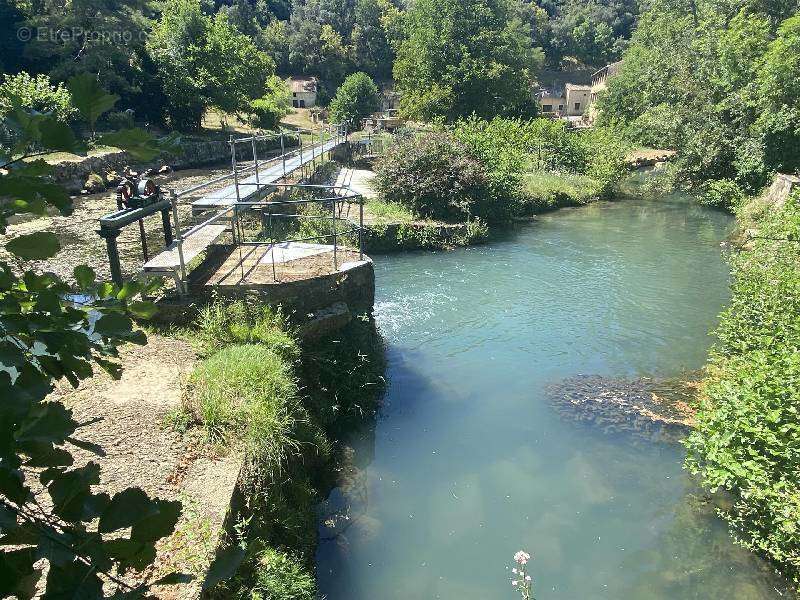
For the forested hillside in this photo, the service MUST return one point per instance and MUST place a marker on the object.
(170, 61)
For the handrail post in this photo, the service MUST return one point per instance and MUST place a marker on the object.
(302, 164)
(235, 222)
(333, 225)
(313, 154)
(360, 227)
(173, 197)
(255, 160)
(283, 155)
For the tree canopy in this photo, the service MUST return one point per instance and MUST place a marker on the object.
(718, 83)
(460, 57)
(203, 62)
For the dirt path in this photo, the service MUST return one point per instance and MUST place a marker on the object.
(78, 231)
(127, 418)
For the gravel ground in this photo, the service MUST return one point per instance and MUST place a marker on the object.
(80, 241)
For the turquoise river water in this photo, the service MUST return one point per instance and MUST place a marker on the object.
(469, 462)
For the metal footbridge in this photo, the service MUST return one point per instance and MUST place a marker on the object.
(253, 182)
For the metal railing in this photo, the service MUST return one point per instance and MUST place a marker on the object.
(333, 203)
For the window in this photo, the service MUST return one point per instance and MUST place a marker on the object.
(294, 104)
(547, 108)
(560, 107)
(302, 103)
(577, 106)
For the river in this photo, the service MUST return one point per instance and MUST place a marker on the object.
(469, 462)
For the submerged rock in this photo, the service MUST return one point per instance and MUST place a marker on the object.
(646, 408)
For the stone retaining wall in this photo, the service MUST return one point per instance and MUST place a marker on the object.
(781, 188)
(72, 174)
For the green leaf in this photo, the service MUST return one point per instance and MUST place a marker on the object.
(136, 142)
(71, 489)
(34, 246)
(89, 97)
(113, 325)
(34, 168)
(84, 276)
(8, 518)
(129, 289)
(56, 135)
(28, 190)
(142, 309)
(48, 422)
(74, 581)
(15, 567)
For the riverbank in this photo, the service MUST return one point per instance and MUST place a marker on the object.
(747, 437)
(289, 403)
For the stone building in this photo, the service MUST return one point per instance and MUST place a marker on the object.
(304, 91)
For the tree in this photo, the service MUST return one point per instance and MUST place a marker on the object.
(465, 56)
(204, 62)
(356, 99)
(317, 48)
(372, 52)
(35, 93)
(11, 47)
(689, 81)
(268, 110)
(89, 540)
(91, 36)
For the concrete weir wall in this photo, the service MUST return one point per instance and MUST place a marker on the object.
(319, 305)
(353, 284)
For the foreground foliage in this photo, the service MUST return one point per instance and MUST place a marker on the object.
(51, 330)
(747, 439)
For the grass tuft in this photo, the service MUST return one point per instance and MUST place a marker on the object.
(221, 324)
(280, 575)
(248, 392)
(385, 212)
(548, 191)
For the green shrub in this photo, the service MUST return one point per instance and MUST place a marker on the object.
(282, 576)
(248, 393)
(721, 193)
(36, 93)
(747, 439)
(435, 176)
(121, 119)
(221, 324)
(356, 99)
(267, 111)
(549, 191)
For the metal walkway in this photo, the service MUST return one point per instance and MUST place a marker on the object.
(250, 188)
